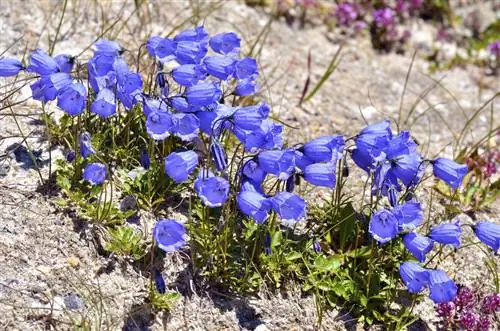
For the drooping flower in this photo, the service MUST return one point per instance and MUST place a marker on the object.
(198, 34)
(159, 282)
(144, 159)
(219, 156)
(161, 48)
(95, 173)
(255, 205)
(289, 206)
(72, 99)
(212, 190)
(409, 215)
(190, 52)
(279, 163)
(159, 125)
(179, 165)
(267, 136)
(189, 74)
(186, 126)
(226, 43)
(246, 68)
(246, 87)
(324, 149)
(108, 47)
(414, 276)
(250, 117)
(10, 67)
(489, 234)
(320, 174)
(42, 63)
(86, 147)
(252, 171)
(447, 233)
(383, 226)
(104, 104)
(442, 288)
(203, 95)
(65, 62)
(449, 171)
(221, 67)
(418, 245)
(170, 235)
(268, 249)
(47, 87)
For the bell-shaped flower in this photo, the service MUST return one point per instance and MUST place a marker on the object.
(48, 87)
(267, 136)
(179, 165)
(65, 62)
(324, 149)
(252, 171)
(442, 288)
(190, 52)
(250, 117)
(10, 67)
(86, 148)
(320, 174)
(194, 34)
(246, 68)
(180, 104)
(95, 173)
(42, 63)
(159, 125)
(153, 105)
(108, 47)
(489, 234)
(218, 156)
(203, 95)
(144, 159)
(73, 99)
(170, 235)
(447, 233)
(246, 87)
(409, 215)
(212, 190)
(227, 43)
(449, 171)
(383, 226)
(418, 245)
(161, 48)
(301, 161)
(186, 126)
(189, 74)
(255, 205)
(206, 121)
(159, 282)
(279, 163)
(414, 276)
(221, 67)
(104, 104)
(290, 207)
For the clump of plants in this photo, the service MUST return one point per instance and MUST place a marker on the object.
(188, 135)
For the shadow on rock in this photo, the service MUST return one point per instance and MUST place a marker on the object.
(27, 159)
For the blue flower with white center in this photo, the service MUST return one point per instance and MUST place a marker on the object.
(95, 173)
(170, 235)
(221, 67)
(409, 215)
(159, 125)
(255, 205)
(186, 126)
(414, 276)
(447, 233)
(179, 165)
(278, 163)
(227, 43)
(290, 207)
(442, 288)
(489, 234)
(72, 99)
(324, 149)
(418, 245)
(203, 95)
(320, 174)
(212, 190)
(10, 67)
(449, 171)
(383, 226)
(250, 117)
(189, 74)
(86, 148)
(104, 104)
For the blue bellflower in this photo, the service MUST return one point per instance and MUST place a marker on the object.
(86, 148)
(489, 234)
(268, 136)
(65, 62)
(324, 149)
(159, 125)
(203, 95)
(72, 99)
(170, 235)
(250, 117)
(179, 165)
(186, 126)
(409, 215)
(278, 163)
(254, 205)
(144, 159)
(212, 190)
(252, 171)
(418, 245)
(10, 67)
(159, 282)
(320, 174)
(447, 233)
(442, 288)
(219, 156)
(414, 276)
(190, 52)
(221, 67)
(289, 206)
(246, 87)
(227, 43)
(449, 171)
(383, 226)
(189, 74)
(246, 68)
(42, 63)
(95, 173)
(104, 104)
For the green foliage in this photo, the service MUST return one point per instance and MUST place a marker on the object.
(163, 301)
(123, 240)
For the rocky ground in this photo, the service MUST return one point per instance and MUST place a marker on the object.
(50, 270)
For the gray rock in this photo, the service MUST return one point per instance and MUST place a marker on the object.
(73, 301)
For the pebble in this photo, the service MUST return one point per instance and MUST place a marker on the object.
(73, 301)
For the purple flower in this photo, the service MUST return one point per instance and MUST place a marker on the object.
(384, 17)
(212, 190)
(468, 320)
(255, 205)
(483, 324)
(442, 288)
(418, 245)
(494, 49)
(449, 171)
(226, 44)
(465, 297)
(445, 310)
(491, 303)
(414, 276)
(289, 206)
(95, 173)
(346, 14)
(72, 99)
(383, 226)
(170, 235)
(448, 233)
(86, 147)
(10, 67)
(489, 234)
(179, 165)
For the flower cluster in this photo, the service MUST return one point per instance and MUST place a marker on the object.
(469, 310)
